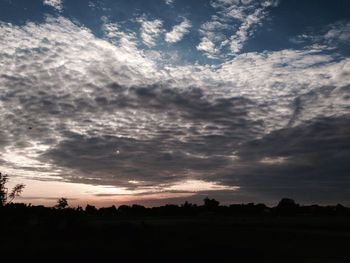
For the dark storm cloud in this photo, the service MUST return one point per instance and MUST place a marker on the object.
(320, 102)
(311, 155)
(203, 147)
(221, 117)
(309, 161)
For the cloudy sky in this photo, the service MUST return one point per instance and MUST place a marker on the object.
(158, 101)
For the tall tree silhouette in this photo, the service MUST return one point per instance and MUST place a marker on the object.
(6, 197)
(62, 203)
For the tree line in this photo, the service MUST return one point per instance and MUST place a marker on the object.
(286, 207)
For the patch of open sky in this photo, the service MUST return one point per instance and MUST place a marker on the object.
(125, 13)
(292, 19)
(21, 11)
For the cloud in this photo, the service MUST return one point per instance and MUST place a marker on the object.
(207, 46)
(242, 34)
(239, 17)
(178, 32)
(150, 30)
(169, 2)
(57, 4)
(307, 162)
(339, 32)
(165, 116)
(126, 40)
(40, 103)
(249, 20)
(213, 25)
(331, 36)
(98, 111)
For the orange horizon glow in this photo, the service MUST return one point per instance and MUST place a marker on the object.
(47, 192)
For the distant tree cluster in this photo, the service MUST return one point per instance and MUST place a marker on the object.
(286, 207)
(210, 207)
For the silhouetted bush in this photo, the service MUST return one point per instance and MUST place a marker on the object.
(138, 209)
(90, 209)
(124, 209)
(189, 209)
(287, 207)
(108, 211)
(211, 204)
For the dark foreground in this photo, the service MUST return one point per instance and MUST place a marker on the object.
(65, 237)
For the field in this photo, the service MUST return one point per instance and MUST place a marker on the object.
(206, 238)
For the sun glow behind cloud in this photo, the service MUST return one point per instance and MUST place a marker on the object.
(48, 191)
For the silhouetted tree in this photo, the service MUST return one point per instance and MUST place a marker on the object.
(16, 191)
(169, 210)
(108, 211)
(287, 206)
(90, 209)
(62, 203)
(3, 189)
(210, 203)
(6, 197)
(340, 209)
(138, 209)
(124, 209)
(187, 205)
(188, 208)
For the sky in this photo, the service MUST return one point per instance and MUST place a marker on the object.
(161, 101)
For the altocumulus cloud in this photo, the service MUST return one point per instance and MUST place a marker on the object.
(100, 111)
(178, 32)
(246, 15)
(150, 30)
(57, 4)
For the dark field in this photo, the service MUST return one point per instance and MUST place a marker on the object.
(68, 237)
